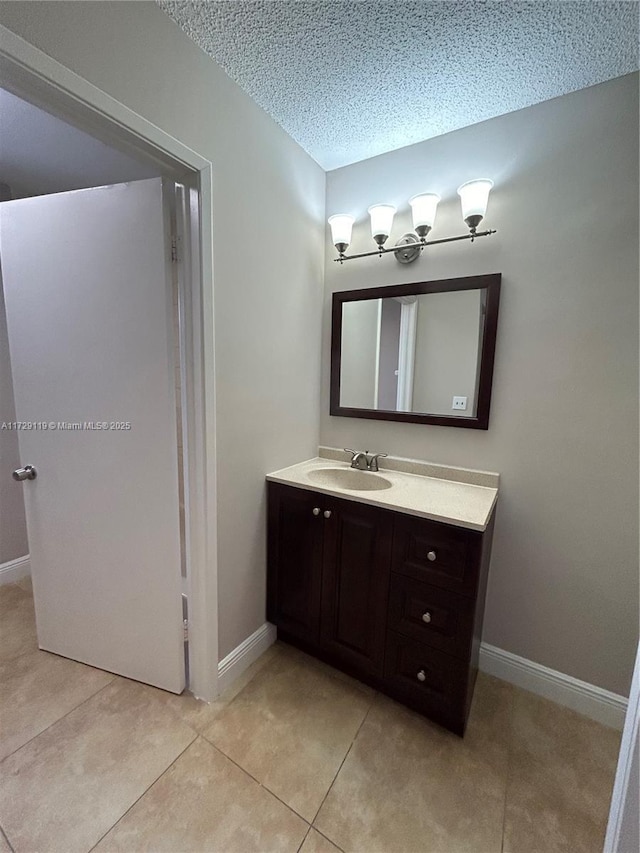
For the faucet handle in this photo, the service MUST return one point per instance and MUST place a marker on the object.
(359, 459)
(372, 461)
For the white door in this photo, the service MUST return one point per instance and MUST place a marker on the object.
(88, 295)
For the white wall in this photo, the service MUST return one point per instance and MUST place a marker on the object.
(563, 588)
(268, 300)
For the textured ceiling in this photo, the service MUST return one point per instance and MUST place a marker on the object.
(349, 80)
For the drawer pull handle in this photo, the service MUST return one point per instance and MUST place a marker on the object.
(316, 510)
(421, 675)
(327, 513)
(426, 617)
(431, 556)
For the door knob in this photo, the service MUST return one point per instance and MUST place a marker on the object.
(316, 510)
(327, 513)
(26, 473)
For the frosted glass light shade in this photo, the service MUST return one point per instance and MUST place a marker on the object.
(423, 208)
(381, 221)
(341, 228)
(474, 196)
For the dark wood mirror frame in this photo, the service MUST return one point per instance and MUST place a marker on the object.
(490, 283)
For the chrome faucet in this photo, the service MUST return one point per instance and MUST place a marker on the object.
(362, 461)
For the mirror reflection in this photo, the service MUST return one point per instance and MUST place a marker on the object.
(418, 353)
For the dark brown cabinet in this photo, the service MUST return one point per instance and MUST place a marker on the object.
(355, 581)
(394, 600)
(295, 563)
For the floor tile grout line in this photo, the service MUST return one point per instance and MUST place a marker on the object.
(509, 751)
(346, 755)
(4, 835)
(146, 790)
(228, 757)
(59, 720)
(257, 781)
(326, 837)
(6, 661)
(266, 787)
(291, 809)
(306, 835)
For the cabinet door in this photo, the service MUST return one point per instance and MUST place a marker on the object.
(294, 561)
(355, 581)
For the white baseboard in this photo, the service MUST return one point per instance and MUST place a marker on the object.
(15, 570)
(594, 702)
(245, 654)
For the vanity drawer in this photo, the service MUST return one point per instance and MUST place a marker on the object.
(439, 554)
(442, 619)
(429, 680)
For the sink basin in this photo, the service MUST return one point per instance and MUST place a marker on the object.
(349, 478)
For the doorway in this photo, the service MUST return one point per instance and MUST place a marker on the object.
(30, 75)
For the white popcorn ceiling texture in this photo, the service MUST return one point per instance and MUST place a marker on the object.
(349, 80)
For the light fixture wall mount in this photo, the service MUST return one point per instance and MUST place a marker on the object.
(474, 196)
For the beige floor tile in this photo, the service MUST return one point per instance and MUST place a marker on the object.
(316, 843)
(561, 775)
(39, 688)
(204, 802)
(17, 622)
(26, 585)
(290, 728)
(408, 785)
(68, 786)
(295, 654)
(198, 714)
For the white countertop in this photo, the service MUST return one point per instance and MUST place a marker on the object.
(448, 498)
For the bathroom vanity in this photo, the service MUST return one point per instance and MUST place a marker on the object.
(383, 575)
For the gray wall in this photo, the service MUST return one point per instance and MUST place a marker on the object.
(360, 323)
(41, 154)
(268, 301)
(389, 354)
(13, 530)
(563, 589)
(447, 334)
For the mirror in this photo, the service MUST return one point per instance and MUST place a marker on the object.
(420, 353)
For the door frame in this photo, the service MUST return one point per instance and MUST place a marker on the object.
(625, 787)
(32, 75)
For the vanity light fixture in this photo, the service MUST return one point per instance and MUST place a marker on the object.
(474, 196)
(381, 221)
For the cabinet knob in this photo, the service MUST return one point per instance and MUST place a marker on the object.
(327, 513)
(431, 556)
(316, 510)
(421, 675)
(426, 617)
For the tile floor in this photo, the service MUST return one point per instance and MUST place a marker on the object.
(294, 757)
